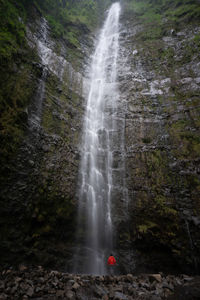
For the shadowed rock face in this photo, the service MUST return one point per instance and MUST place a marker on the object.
(160, 93)
(155, 199)
(38, 193)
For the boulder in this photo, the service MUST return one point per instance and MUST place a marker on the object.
(156, 277)
(120, 296)
(60, 293)
(22, 268)
(187, 291)
(69, 295)
(130, 277)
(30, 292)
(75, 286)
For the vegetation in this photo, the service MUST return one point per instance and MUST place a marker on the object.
(168, 178)
(31, 226)
(12, 29)
(157, 15)
(155, 10)
(16, 86)
(156, 217)
(69, 20)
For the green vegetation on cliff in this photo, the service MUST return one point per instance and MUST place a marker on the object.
(164, 222)
(174, 10)
(16, 85)
(32, 223)
(12, 29)
(37, 200)
(68, 20)
(157, 15)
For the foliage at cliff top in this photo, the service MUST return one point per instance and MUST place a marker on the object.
(177, 11)
(12, 43)
(70, 19)
(160, 16)
(12, 30)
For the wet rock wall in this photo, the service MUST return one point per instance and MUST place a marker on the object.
(159, 86)
(156, 153)
(38, 192)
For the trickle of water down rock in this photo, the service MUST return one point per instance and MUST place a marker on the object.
(35, 109)
(95, 227)
(50, 62)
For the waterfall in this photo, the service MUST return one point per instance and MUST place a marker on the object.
(50, 62)
(35, 109)
(95, 226)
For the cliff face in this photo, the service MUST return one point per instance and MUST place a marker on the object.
(39, 175)
(159, 84)
(156, 203)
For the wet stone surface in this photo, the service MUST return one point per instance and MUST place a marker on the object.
(158, 223)
(38, 283)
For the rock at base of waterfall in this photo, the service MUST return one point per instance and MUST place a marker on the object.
(57, 285)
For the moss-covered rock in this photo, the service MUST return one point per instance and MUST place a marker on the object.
(41, 114)
(161, 136)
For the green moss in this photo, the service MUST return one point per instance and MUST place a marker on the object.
(51, 212)
(16, 85)
(17, 88)
(175, 10)
(57, 28)
(197, 39)
(152, 32)
(71, 20)
(185, 11)
(168, 54)
(162, 206)
(187, 142)
(144, 228)
(158, 222)
(12, 30)
(158, 17)
(40, 217)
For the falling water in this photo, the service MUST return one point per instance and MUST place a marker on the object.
(35, 109)
(50, 62)
(95, 213)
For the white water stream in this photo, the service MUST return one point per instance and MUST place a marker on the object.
(95, 198)
(50, 61)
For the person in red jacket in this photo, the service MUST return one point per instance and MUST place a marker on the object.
(111, 263)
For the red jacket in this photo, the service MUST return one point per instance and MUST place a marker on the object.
(111, 260)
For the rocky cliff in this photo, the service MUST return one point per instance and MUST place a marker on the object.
(43, 81)
(159, 84)
(42, 105)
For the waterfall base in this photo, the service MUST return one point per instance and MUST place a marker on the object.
(56, 285)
